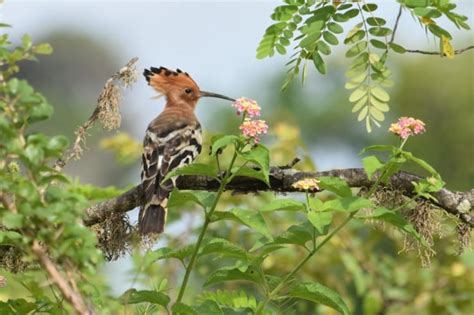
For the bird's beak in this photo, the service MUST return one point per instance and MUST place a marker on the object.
(210, 94)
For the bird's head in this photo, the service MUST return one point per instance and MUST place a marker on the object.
(177, 86)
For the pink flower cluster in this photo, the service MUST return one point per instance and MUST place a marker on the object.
(248, 106)
(253, 128)
(250, 128)
(407, 126)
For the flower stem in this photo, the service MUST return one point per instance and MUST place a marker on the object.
(207, 221)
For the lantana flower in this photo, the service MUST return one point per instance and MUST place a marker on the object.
(253, 128)
(247, 105)
(407, 126)
(306, 184)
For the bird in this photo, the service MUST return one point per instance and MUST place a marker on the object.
(173, 139)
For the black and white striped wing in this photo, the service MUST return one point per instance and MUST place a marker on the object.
(164, 152)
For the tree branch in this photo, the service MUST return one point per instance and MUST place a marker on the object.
(281, 180)
(456, 52)
(69, 293)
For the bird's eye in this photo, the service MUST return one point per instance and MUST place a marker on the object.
(188, 90)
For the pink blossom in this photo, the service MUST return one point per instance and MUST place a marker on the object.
(407, 126)
(247, 105)
(253, 128)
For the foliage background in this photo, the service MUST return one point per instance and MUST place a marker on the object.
(90, 46)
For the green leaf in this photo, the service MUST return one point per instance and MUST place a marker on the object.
(378, 44)
(380, 31)
(179, 198)
(371, 165)
(409, 156)
(396, 220)
(179, 308)
(379, 148)
(417, 3)
(40, 112)
(347, 204)
(250, 172)
(209, 307)
(259, 155)
(397, 48)
(232, 299)
(369, 7)
(34, 154)
(349, 14)
(320, 220)
(218, 143)
(354, 38)
(43, 49)
(330, 38)
(249, 273)
(335, 28)
(439, 31)
(380, 93)
(336, 185)
(427, 12)
(357, 94)
(192, 169)
(319, 63)
(177, 253)
(323, 48)
(296, 234)
(376, 114)
(283, 205)
(133, 296)
(224, 248)
(356, 49)
(12, 220)
(251, 218)
(375, 21)
(320, 294)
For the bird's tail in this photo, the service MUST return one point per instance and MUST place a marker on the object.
(152, 219)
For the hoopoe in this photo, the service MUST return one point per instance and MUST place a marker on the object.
(172, 139)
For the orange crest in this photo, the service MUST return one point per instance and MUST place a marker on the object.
(169, 82)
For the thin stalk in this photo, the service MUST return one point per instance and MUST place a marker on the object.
(207, 220)
(301, 264)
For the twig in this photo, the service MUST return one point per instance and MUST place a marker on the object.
(281, 180)
(396, 24)
(69, 293)
(456, 52)
(106, 111)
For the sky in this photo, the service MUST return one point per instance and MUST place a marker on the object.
(215, 41)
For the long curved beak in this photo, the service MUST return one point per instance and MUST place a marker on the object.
(210, 94)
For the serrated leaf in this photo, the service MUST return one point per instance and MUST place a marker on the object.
(220, 142)
(320, 220)
(179, 198)
(320, 294)
(250, 172)
(346, 204)
(251, 218)
(298, 234)
(225, 274)
(336, 185)
(371, 165)
(283, 205)
(134, 296)
(223, 248)
(259, 155)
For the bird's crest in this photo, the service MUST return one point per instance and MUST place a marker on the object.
(167, 81)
